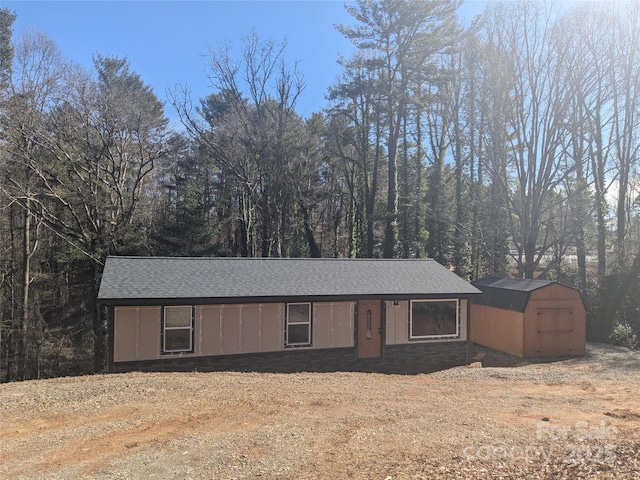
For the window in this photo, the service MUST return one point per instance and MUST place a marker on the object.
(298, 324)
(177, 334)
(434, 319)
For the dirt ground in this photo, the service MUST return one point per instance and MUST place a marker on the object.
(575, 418)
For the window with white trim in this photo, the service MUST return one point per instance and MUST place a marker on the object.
(434, 319)
(177, 329)
(298, 325)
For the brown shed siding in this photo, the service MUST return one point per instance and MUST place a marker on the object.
(563, 332)
(553, 324)
(498, 329)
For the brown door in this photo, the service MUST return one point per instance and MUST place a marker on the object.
(369, 328)
(554, 329)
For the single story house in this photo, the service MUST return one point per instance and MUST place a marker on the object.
(284, 315)
(528, 318)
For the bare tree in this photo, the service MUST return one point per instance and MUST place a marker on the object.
(624, 47)
(98, 140)
(250, 129)
(523, 35)
(33, 93)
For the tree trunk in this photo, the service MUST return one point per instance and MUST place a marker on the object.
(391, 221)
(99, 322)
(460, 256)
(371, 189)
(418, 193)
(581, 215)
(600, 205)
(314, 249)
(23, 334)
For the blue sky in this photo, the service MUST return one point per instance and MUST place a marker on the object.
(166, 41)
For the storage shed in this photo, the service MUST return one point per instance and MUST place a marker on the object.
(528, 318)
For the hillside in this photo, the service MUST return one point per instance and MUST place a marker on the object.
(577, 418)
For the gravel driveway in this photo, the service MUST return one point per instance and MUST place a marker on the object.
(576, 418)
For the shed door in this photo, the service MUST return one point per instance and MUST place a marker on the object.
(369, 328)
(554, 332)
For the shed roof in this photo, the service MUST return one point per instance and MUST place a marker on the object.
(507, 293)
(129, 279)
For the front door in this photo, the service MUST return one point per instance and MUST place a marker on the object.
(369, 328)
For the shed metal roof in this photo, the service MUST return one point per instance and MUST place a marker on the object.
(129, 279)
(507, 293)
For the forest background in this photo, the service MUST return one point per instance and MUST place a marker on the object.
(506, 147)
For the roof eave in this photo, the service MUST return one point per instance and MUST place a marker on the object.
(279, 299)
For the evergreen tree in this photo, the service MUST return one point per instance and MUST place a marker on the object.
(399, 41)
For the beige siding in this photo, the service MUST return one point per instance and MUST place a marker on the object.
(233, 329)
(498, 329)
(209, 331)
(125, 337)
(149, 321)
(397, 324)
(342, 324)
(322, 319)
(250, 329)
(219, 330)
(230, 319)
(464, 320)
(272, 327)
(136, 333)
(333, 325)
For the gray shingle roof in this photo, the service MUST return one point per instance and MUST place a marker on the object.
(507, 293)
(521, 284)
(162, 278)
